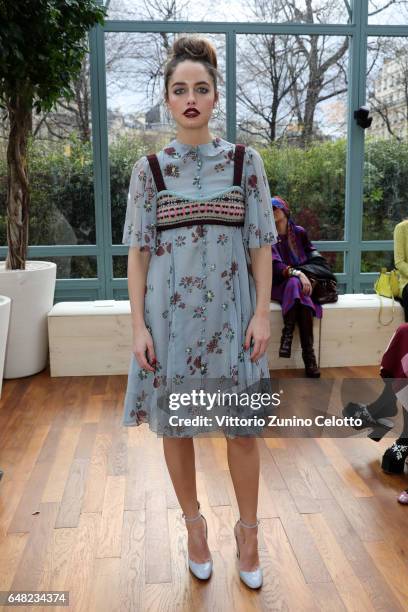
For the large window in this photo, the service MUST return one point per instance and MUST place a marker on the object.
(385, 196)
(386, 145)
(293, 75)
(292, 101)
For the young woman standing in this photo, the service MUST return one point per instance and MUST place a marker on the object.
(198, 214)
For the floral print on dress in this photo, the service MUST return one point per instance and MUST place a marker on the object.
(190, 155)
(171, 170)
(229, 157)
(172, 152)
(199, 296)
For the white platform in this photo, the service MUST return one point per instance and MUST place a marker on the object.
(94, 338)
(351, 333)
(90, 338)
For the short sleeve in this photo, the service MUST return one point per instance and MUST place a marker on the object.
(259, 227)
(140, 222)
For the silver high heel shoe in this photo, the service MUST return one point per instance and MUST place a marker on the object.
(200, 570)
(252, 579)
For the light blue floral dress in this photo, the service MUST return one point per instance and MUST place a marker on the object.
(200, 295)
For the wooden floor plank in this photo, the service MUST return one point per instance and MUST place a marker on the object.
(393, 569)
(30, 501)
(158, 566)
(57, 558)
(112, 518)
(106, 586)
(71, 503)
(180, 577)
(307, 554)
(301, 493)
(347, 583)
(345, 470)
(11, 550)
(327, 597)
(132, 566)
(80, 575)
(363, 567)
(288, 589)
(353, 509)
(61, 464)
(30, 568)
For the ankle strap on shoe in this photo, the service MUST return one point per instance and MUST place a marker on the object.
(191, 520)
(249, 526)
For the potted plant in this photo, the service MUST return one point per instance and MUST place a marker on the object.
(42, 45)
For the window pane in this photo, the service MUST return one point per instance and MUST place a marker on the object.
(386, 146)
(137, 121)
(73, 267)
(120, 266)
(60, 166)
(373, 261)
(384, 12)
(292, 104)
(298, 11)
(335, 259)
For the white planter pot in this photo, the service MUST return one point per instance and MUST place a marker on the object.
(32, 297)
(5, 303)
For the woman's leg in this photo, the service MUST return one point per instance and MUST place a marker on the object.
(180, 460)
(394, 457)
(289, 322)
(305, 321)
(244, 465)
(386, 404)
(285, 294)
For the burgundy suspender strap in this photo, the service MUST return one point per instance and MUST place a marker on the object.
(238, 164)
(156, 171)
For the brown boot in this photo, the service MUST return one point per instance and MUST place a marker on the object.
(305, 320)
(289, 321)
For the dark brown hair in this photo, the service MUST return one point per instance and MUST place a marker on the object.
(193, 48)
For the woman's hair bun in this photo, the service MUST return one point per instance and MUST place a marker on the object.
(194, 48)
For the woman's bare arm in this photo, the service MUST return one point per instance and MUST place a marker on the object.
(261, 263)
(259, 326)
(138, 265)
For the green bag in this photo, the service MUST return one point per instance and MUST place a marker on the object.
(387, 285)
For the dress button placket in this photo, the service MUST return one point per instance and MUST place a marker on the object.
(197, 178)
(204, 276)
(204, 307)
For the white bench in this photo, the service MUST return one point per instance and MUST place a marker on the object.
(351, 333)
(94, 338)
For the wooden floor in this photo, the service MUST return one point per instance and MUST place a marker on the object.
(87, 506)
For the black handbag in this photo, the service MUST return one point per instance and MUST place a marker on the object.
(323, 281)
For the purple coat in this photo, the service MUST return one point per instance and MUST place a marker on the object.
(288, 290)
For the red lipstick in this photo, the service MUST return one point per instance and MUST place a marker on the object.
(191, 112)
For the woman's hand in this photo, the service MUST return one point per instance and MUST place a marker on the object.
(259, 331)
(142, 342)
(306, 284)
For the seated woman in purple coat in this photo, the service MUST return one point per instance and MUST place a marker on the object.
(291, 287)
